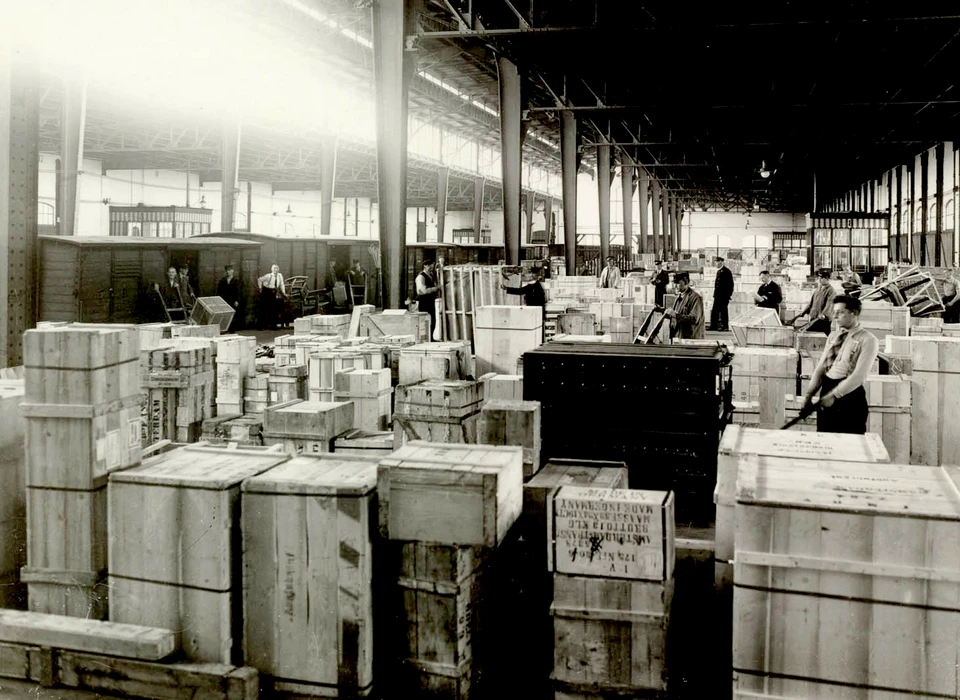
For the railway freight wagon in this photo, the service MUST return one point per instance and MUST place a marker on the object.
(109, 279)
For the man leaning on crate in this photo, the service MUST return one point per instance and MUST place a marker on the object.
(841, 371)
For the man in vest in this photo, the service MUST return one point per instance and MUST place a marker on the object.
(428, 292)
(272, 291)
(686, 316)
(841, 371)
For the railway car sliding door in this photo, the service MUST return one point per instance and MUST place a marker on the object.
(95, 285)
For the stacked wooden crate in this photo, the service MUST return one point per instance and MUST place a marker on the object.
(437, 411)
(513, 423)
(236, 360)
(256, 393)
(306, 427)
(936, 400)
(179, 383)
(287, 383)
(392, 345)
(605, 311)
(612, 554)
(323, 369)
(175, 546)
(890, 409)
(883, 319)
(82, 410)
(245, 431)
(319, 324)
(13, 504)
(308, 596)
(295, 349)
(440, 361)
(392, 322)
(503, 334)
(803, 448)
(508, 387)
(765, 375)
(364, 443)
(840, 569)
(577, 323)
(926, 327)
(746, 328)
(447, 511)
(370, 392)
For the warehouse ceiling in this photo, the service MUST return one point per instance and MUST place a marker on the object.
(704, 94)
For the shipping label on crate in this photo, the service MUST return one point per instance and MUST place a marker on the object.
(614, 533)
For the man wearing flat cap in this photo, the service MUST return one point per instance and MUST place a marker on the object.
(686, 316)
(722, 291)
(820, 308)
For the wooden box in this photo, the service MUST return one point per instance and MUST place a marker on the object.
(883, 319)
(371, 392)
(287, 383)
(889, 405)
(322, 381)
(804, 448)
(212, 310)
(612, 533)
(364, 443)
(609, 635)
(440, 361)
(812, 343)
(447, 494)
(69, 593)
(513, 423)
(577, 323)
(840, 570)
(503, 386)
(765, 375)
(766, 336)
(319, 324)
(175, 541)
(503, 333)
(437, 411)
(13, 504)
(313, 420)
(936, 401)
(395, 322)
(308, 574)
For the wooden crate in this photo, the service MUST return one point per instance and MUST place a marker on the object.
(610, 635)
(502, 386)
(805, 448)
(936, 401)
(287, 383)
(447, 494)
(396, 322)
(447, 360)
(321, 324)
(839, 570)
(322, 381)
(812, 343)
(175, 541)
(503, 333)
(364, 443)
(621, 330)
(308, 420)
(764, 336)
(212, 310)
(235, 361)
(611, 533)
(371, 393)
(883, 319)
(13, 502)
(308, 574)
(513, 423)
(69, 593)
(564, 338)
(765, 375)
(577, 323)
(889, 405)
(437, 411)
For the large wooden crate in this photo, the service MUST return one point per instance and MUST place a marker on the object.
(321, 324)
(371, 393)
(446, 360)
(503, 334)
(610, 636)
(175, 542)
(847, 575)
(764, 336)
(396, 322)
(936, 401)
(502, 386)
(236, 360)
(883, 319)
(577, 323)
(804, 448)
(611, 533)
(212, 310)
(889, 405)
(449, 494)
(322, 380)
(364, 443)
(513, 423)
(13, 523)
(437, 411)
(306, 427)
(812, 343)
(765, 375)
(308, 574)
(287, 383)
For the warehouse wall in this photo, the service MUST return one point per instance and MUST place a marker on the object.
(698, 226)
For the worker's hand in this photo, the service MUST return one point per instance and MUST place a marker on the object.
(156, 287)
(669, 313)
(827, 401)
(807, 400)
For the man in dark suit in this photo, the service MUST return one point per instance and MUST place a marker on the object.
(228, 289)
(722, 291)
(660, 281)
(769, 295)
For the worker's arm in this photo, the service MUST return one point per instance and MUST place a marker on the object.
(696, 313)
(827, 312)
(422, 287)
(281, 285)
(512, 290)
(869, 347)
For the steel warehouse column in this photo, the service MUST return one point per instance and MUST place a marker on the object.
(626, 183)
(530, 204)
(19, 171)
(568, 158)
(677, 220)
(73, 114)
(511, 157)
(392, 21)
(328, 182)
(655, 217)
(548, 217)
(665, 224)
(899, 223)
(603, 191)
(644, 179)
(443, 178)
(230, 158)
(938, 259)
(477, 207)
(924, 187)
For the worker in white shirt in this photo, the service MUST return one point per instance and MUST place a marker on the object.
(610, 274)
(272, 293)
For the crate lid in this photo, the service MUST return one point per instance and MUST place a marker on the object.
(739, 440)
(469, 458)
(898, 490)
(308, 407)
(318, 475)
(201, 468)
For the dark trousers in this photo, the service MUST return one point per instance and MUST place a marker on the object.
(848, 414)
(821, 326)
(659, 293)
(719, 318)
(267, 309)
(430, 307)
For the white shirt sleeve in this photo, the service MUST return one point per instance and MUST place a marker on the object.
(421, 284)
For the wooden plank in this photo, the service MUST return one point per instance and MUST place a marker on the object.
(131, 641)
